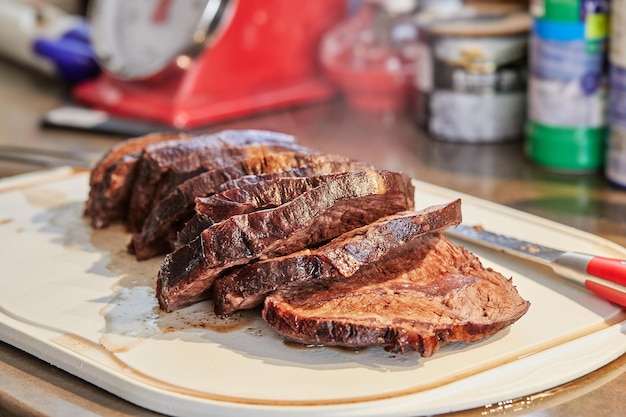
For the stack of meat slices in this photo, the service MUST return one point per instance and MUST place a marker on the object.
(333, 248)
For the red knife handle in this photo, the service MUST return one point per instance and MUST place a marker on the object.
(608, 293)
(606, 268)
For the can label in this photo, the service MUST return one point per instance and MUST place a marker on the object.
(618, 33)
(566, 104)
(566, 149)
(569, 10)
(480, 65)
(473, 118)
(458, 75)
(567, 86)
(568, 60)
(615, 165)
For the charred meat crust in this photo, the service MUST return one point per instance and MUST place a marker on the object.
(112, 177)
(154, 180)
(242, 189)
(442, 295)
(323, 213)
(126, 165)
(168, 216)
(246, 287)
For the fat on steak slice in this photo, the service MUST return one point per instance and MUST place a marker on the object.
(246, 287)
(349, 201)
(167, 218)
(112, 178)
(428, 294)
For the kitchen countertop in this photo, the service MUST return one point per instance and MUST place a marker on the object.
(496, 172)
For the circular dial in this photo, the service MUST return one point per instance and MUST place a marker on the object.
(138, 39)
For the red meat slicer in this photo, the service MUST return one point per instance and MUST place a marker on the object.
(189, 63)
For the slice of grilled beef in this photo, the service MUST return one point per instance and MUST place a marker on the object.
(157, 175)
(351, 200)
(246, 199)
(113, 175)
(251, 197)
(247, 287)
(428, 294)
(259, 196)
(319, 165)
(160, 229)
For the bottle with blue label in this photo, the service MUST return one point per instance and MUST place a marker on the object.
(567, 95)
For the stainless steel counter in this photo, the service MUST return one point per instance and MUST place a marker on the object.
(498, 172)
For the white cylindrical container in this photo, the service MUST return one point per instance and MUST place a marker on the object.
(471, 77)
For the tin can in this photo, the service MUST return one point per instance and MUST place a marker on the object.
(567, 124)
(471, 77)
(615, 164)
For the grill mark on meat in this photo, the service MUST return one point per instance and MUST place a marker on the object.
(442, 295)
(246, 287)
(155, 181)
(344, 203)
(158, 234)
(112, 177)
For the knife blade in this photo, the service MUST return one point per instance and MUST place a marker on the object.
(579, 268)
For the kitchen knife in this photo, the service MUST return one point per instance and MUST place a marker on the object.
(577, 267)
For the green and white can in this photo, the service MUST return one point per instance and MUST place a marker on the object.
(567, 121)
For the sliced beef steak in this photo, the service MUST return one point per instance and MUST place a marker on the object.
(113, 175)
(162, 156)
(323, 213)
(247, 287)
(247, 199)
(159, 232)
(319, 165)
(156, 178)
(253, 197)
(428, 294)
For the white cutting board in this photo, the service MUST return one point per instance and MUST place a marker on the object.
(72, 296)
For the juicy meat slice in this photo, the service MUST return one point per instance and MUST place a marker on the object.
(323, 213)
(247, 199)
(112, 177)
(170, 154)
(320, 165)
(158, 176)
(160, 228)
(246, 287)
(253, 197)
(428, 294)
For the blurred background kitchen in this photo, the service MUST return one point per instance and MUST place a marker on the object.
(453, 92)
(518, 102)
